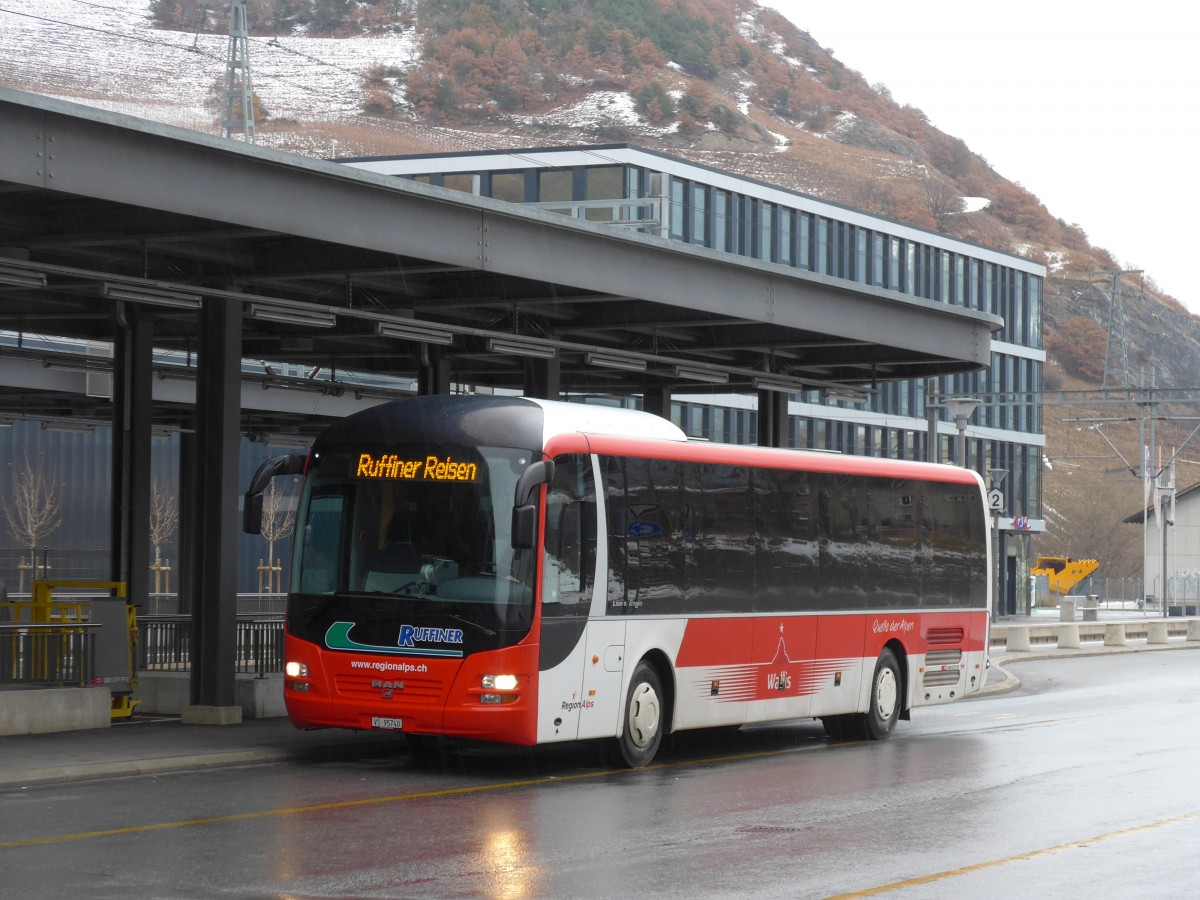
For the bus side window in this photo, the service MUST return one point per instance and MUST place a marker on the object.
(570, 538)
(320, 561)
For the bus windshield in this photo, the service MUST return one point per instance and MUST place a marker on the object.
(417, 527)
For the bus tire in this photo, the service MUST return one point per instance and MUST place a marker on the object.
(842, 728)
(886, 698)
(642, 732)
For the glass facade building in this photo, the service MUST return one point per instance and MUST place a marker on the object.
(674, 199)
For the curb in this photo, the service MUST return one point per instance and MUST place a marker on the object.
(165, 765)
(1011, 682)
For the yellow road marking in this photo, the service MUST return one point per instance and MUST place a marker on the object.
(1019, 857)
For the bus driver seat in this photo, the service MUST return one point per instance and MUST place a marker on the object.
(396, 563)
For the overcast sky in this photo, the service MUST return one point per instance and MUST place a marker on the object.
(1090, 106)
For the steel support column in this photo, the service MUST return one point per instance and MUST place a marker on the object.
(214, 548)
(131, 435)
(542, 379)
(433, 376)
(656, 399)
(189, 491)
(772, 419)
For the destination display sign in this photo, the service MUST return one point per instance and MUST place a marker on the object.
(431, 468)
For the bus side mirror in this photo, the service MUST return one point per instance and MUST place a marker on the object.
(292, 464)
(524, 517)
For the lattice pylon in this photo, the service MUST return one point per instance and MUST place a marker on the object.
(239, 90)
(1116, 354)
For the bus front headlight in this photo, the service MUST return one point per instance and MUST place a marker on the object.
(499, 682)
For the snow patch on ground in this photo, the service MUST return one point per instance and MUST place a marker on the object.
(599, 109)
(1056, 260)
(177, 78)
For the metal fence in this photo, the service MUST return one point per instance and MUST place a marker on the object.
(47, 655)
(165, 644)
(1116, 591)
(168, 604)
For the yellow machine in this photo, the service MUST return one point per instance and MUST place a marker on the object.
(1064, 572)
(115, 650)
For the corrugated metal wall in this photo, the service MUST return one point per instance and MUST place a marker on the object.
(78, 469)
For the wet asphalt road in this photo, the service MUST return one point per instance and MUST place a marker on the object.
(1085, 777)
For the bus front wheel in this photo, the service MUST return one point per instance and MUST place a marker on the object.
(886, 698)
(643, 729)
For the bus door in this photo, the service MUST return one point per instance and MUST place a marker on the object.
(604, 661)
(568, 584)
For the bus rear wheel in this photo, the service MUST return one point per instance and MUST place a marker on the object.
(643, 730)
(886, 698)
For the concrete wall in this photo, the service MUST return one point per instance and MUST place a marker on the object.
(43, 710)
(1025, 638)
(168, 693)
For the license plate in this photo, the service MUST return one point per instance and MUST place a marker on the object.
(387, 723)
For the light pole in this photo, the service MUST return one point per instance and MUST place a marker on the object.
(1000, 598)
(961, 408)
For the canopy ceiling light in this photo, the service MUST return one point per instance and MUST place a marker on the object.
(69, 427)
(846, 395)
(615, 361)
(521, 348)
(150, 295)
(291, 315)
(778, 383)
(21, 277)
(708, 376)
(414, 330)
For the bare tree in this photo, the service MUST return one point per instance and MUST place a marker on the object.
(32, 513)
(164, 516)
(278, 519)
(164, 519)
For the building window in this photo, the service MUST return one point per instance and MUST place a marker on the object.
(822, 248)
(787, 220)
(720, 204)
(735, 224)
(878, 261)
(860, 270)
(554, 185)
(467, 182)
(745, 226)
(1035, 311)
(605, 183)
(766, 230)
(509, 186)
(699, 230)
(805, 258)
(677, 208)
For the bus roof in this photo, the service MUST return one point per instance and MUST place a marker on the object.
(592, 418)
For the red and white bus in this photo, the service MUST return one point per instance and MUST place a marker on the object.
(529, 571)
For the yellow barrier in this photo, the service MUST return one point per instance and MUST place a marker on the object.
(42, 609)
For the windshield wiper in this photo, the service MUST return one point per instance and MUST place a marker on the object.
(472, 623)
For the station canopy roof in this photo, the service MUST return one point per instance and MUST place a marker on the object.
(354, 276)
